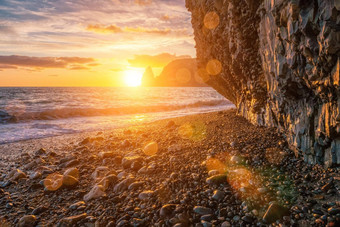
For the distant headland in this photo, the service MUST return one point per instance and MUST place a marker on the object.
(178, 73)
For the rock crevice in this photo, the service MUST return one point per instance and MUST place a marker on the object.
(278, 61)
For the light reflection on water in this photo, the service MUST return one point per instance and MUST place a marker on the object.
(44, 112)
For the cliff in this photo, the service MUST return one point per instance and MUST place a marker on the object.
(178, 73)
(278, 62)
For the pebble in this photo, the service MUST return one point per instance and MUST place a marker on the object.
(236, 159)
(226, 224)
(108, 181)
(70, 181)
(236, 218)
(218, 195)
(247, 219)
(71, 221)
(127, 161)
(73, 172)
(274, 212)
(123, 185)
(103, 155)
(167, 210)
(333, 211)
(27, 221)
(76, 205)
(207, 217)
(16, 175)
(100, 172)
(96, 192)
(146, 195)
(53, 182)
(136, 185)
(202, 210)
(151, 149)
(36, 175)
(217, 179)
(213, 172)
(39, 210)
(206, 224)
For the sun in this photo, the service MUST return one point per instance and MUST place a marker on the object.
(133, 78)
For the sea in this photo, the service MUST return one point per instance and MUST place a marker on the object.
(31, 113)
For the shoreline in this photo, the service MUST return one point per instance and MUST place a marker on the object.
(10, 148)
(208, 169)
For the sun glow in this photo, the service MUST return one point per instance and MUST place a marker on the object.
(133, 78)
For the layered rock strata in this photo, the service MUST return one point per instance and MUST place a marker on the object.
(278, 61)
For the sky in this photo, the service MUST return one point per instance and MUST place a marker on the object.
(89, 42)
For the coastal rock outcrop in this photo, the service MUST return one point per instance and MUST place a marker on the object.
(278, 61)
(178, 73)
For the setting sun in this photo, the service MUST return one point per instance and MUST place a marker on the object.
(133, 78)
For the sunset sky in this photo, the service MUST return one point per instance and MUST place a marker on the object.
(87, 42)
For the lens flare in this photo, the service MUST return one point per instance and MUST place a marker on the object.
(214, 67)
(203, 75)
(211, 20)
(195, 131)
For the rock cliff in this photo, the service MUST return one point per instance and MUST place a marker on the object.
(278, 61)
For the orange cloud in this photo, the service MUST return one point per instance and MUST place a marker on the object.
(143, 2)
(165, 17)
(111, 29)
(15, 61)
(160, 60)
(78, 67)
(104, 29)
(151, 31)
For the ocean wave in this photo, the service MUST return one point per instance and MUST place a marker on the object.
(7, 118)
(64, 113)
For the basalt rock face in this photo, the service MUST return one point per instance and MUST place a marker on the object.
(278, 61)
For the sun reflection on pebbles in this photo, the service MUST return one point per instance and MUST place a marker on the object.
(215, 164)
(214, 67)
(195, 131)
(255, 186)
(211, 20)
(151, 149)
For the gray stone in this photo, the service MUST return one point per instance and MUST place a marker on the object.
(218, 195)
(27, 221)
(202, 210)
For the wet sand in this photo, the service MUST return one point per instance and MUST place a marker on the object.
(213, 169)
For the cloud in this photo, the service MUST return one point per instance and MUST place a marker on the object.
(115, 29)
(143, 2)
(117, 69)
(165, 17)
(78, 67)
(8, 67)
(159, 60)
(7, 30)
(104, 29)
(43, 62)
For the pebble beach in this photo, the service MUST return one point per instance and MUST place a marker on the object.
(212, 169)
